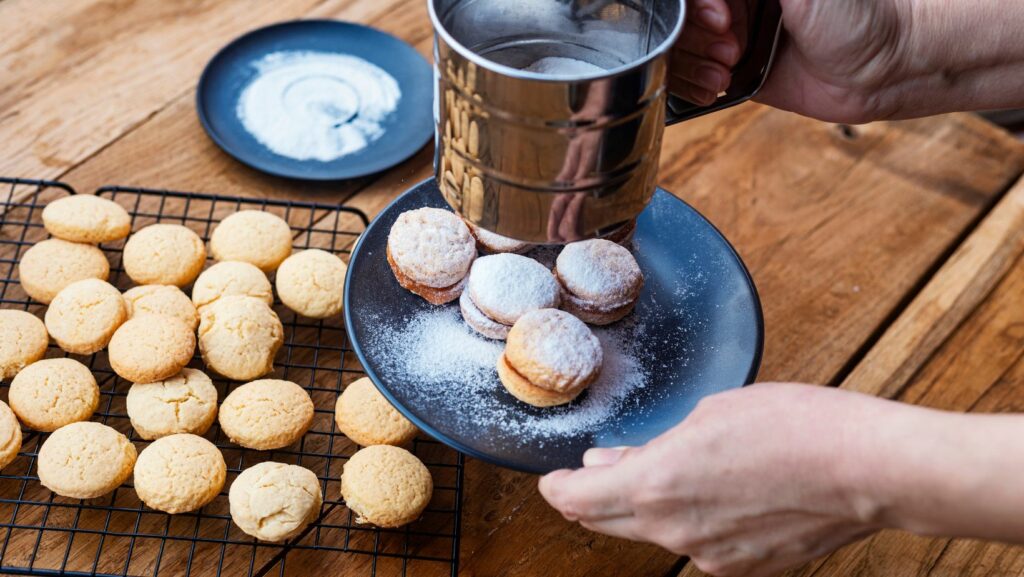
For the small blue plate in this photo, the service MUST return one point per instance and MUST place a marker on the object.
(407, 129)
(697, 329)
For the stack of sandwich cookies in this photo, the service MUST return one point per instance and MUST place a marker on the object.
(550, 358)
(601, 280)
(430, 251)
(504, 287)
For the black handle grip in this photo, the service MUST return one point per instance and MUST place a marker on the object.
(749, 73)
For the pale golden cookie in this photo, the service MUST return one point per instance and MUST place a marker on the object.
(83, 317)
(86, 218)
(430, 251)
(312, 283)
(52, 393)
(366, 417)
(274, 501)
(184, 403)
(23, 341)
(161, 299)
(386, 486)
(10, 435)
(85, 460)
(252, 236)
(231, 278)
(164, 254)
(550, 357)
(179, 473)
(239, 336)
(51, 265)
(266, 414)
(151, 348)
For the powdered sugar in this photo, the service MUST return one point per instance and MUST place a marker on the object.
(317, 105)
(507, 286)
(441, 362)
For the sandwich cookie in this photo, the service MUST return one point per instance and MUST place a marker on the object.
(492, 243)
(430, 250)
(504, 287)
(601, 280)
(550, 358)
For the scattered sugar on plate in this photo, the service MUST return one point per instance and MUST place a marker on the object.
(441, 359)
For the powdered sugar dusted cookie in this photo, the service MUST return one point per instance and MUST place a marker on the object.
(430, 251)
(504, 287)
(601, 279)
(550, 357)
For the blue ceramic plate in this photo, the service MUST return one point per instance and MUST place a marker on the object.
(407, 129)
(697, 330)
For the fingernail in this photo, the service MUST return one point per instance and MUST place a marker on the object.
(710, 78)
(725, 52)
(712, 18)
(600, 457)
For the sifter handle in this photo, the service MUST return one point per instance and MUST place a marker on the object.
(749, 73)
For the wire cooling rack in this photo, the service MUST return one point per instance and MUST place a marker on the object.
(44, 534)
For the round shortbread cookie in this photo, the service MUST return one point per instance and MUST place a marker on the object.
(492, 243)
(10, 435)
(431, 247)
(231, 278)
(52, 393)
(85, 460)
(23, 341)
(184, 403)
(179, 473)
(151, 348)
(312, 283)
(386, 486)
(366, 417)
(51, 265)
(161, 299)
(554, 350)
(252, 236)
(601, 279)
(83, 317)
(274, 501)
(86, 218)
(239, 336)
(266, 414)
(164, 254)
(506, 286)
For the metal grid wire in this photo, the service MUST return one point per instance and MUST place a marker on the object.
(44, 534)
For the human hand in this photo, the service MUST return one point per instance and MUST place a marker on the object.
(838, 62)
(752, 482)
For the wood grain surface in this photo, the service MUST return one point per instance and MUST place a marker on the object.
(841, 227)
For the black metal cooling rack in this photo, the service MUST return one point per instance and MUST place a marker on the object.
(116, 535)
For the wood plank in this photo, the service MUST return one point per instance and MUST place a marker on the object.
(113, 65)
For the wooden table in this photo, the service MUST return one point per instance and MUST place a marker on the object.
(888, 256)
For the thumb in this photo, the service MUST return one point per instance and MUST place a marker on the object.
(599, 456)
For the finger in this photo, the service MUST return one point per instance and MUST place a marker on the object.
(588, 494)
(621, 527)
(707, 74)
(555, 217)
(711, 14)
(570, 225)
(691, 92)
(723, 48)
(597, 457)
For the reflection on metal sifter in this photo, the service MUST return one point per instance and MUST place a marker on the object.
(549, 113)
